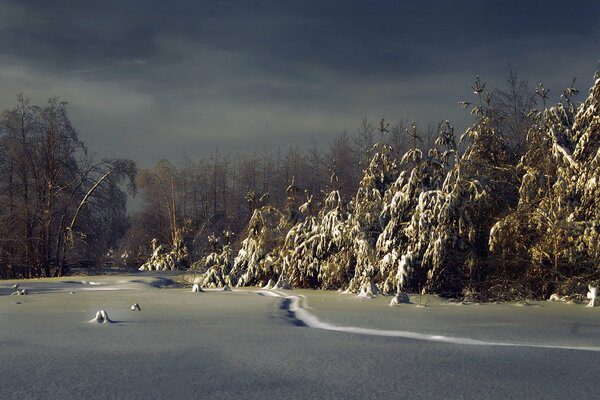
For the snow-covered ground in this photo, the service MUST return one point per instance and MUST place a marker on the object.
(257, 344)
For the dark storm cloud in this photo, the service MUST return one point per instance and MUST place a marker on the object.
(181, 75)
(351, 36)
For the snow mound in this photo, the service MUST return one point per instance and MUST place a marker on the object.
(365, 293)
(556, 297)
(368, 290)
(269, 284)
(282, 283)
(400, 298)
(101, 317)
(196, 288)
(593, 296)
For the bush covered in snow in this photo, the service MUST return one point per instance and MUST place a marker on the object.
(219, 262)
(163, 260)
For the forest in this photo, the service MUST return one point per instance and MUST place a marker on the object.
(509, 209)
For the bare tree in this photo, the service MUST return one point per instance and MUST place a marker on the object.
(512, 107)
(52, 190)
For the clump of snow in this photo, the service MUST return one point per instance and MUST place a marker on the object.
(282, 283)
(21, 292)
(101, 317)
(269, 284)
(135, 307)
(196, 288)
(368, 291)
(15, 286)
(556, 297)
(593, 296)
(400, 298)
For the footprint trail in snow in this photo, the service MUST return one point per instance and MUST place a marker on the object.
(302, 317)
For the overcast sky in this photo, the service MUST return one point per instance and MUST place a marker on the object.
(154, 79)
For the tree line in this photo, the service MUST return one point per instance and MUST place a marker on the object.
(195, 199)
(508, 210)
(60, 208)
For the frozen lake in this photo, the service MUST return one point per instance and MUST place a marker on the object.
(253, 344)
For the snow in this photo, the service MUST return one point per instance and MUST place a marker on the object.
(101, 317)
(555, 297)
(560, 150)
(268, 293)
(269, 284)
(299, 309)
(282, 283)
(399, 298)
(592, 295)
(257, 344)
(196, 288)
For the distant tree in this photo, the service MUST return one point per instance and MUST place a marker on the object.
(511, 111)
(364, 141)
(341, 161)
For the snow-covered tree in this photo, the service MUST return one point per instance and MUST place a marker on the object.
(365, 223)
(484, 219)
(559, 197)
(219, 262)
(317, 251)
(162, 260)
(446, 205)
(257, 261)
(408, 212)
